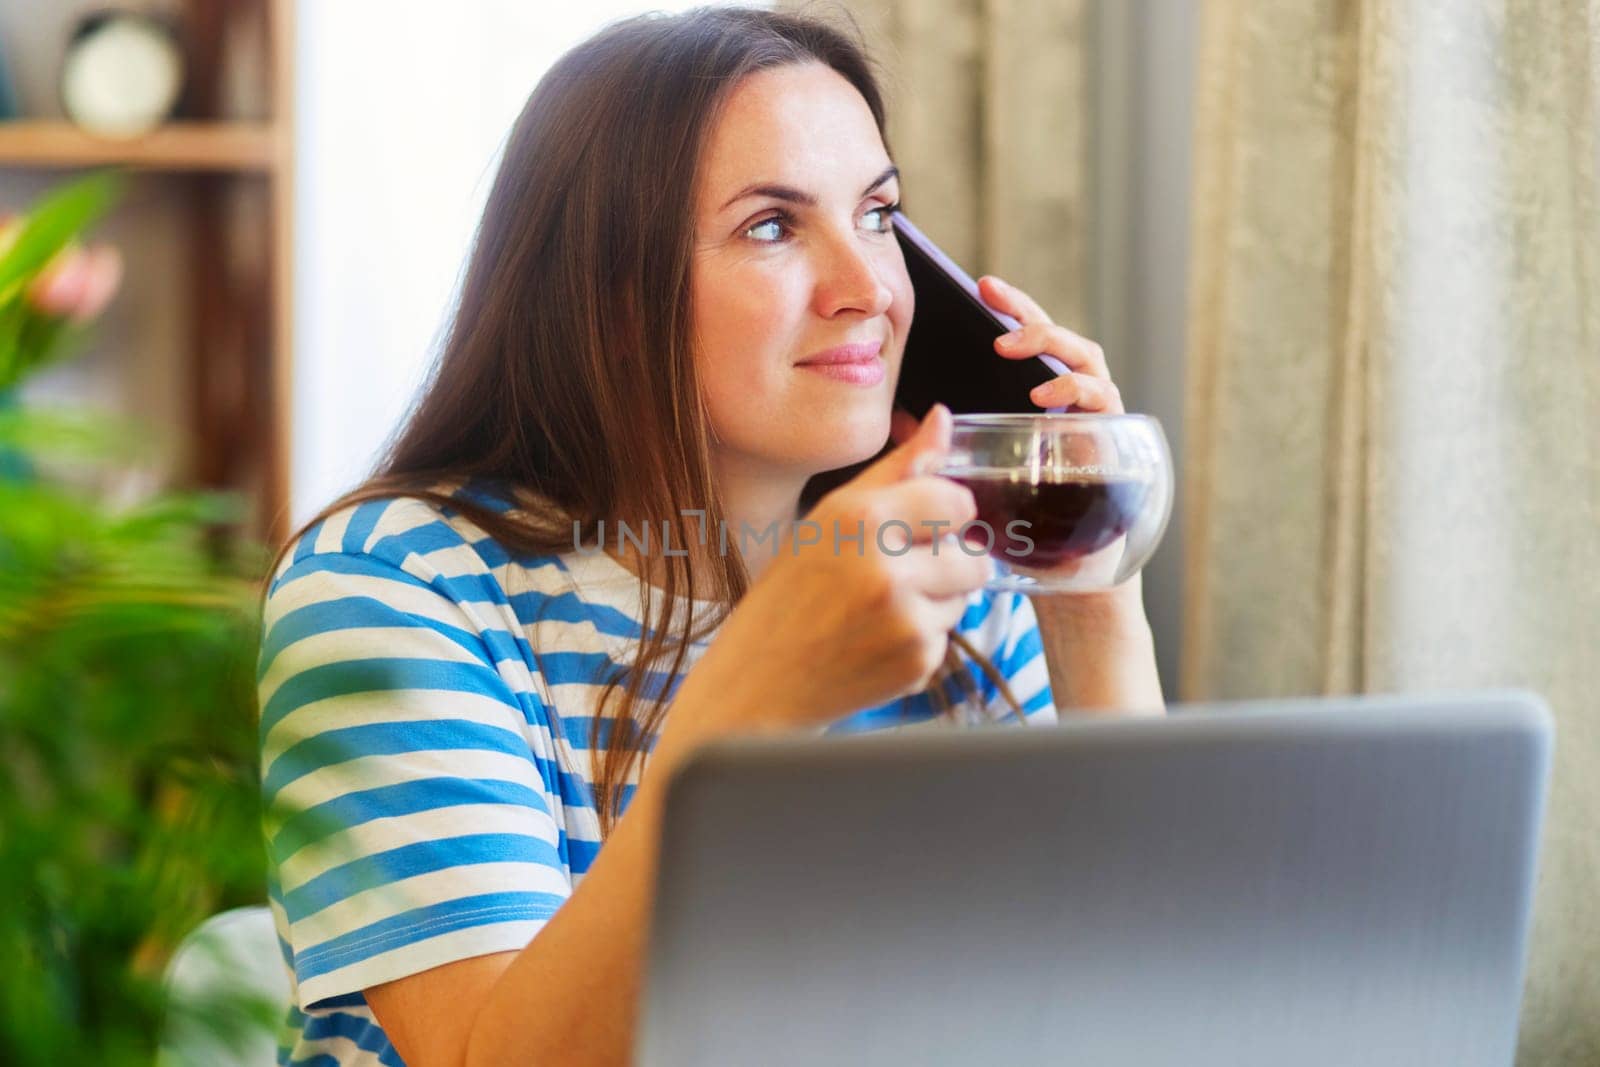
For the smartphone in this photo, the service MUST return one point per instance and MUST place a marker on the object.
(949, 355)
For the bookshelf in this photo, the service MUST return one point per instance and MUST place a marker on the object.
(237, 358)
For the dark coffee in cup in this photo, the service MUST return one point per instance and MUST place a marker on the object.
(1067, 503)
(1068, 514)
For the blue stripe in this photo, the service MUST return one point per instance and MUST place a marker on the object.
(408, 861)
(491, 493)
(491, 644)
(955, 686)
(421, 539)
(465, 587)
(461, 587)
(573, 789)
(902, 712)
(348, 1000)
(354, 613)
(581, 854)
(503, 645)
(567, 606)
(490, 551)
(313, 824)
(363, 1032)
(977, 612)
(529, 608)
(576, 729)
(1028, 644)
(386, 1056)
(627, 798)
(534, 607)
(361, 524)
(593, 668)
(383, 675)
(308, 541)
(339, 563)
(333, 747)
(420, 924)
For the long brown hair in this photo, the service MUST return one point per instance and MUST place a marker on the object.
(566, 372)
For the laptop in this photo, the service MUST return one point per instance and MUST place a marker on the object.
(1308, 882)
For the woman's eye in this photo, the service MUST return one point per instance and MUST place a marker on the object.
(776, 226)
(885, 210)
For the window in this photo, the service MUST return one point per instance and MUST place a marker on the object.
(401, 109)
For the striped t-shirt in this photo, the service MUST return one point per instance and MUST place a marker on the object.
(427, 779)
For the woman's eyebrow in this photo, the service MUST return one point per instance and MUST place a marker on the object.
(795, 196)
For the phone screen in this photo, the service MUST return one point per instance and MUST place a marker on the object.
(949, 354)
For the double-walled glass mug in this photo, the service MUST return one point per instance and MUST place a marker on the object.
(1067, 503)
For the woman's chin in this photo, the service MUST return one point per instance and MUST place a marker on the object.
(846, 452)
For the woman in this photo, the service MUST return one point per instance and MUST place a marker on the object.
(458, 694)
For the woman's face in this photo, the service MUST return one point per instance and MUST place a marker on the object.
(795, 256)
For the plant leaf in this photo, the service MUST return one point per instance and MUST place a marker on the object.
(55, 220)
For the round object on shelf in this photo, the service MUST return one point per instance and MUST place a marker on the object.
(121, 74)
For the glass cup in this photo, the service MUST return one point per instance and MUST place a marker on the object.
(1067, 503)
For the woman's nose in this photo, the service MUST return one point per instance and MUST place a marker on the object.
(850, 279)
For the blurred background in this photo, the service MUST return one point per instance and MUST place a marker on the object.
(1348, 251)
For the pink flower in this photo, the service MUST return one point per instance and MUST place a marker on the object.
(78, 283)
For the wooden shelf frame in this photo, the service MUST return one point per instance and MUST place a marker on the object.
(247, 147)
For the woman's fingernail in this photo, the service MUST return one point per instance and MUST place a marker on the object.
(1041, 393)
(1010, 338)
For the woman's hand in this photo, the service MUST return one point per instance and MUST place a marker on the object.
(862, 613)
(1087, 386)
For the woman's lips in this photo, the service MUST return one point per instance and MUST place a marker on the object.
(867, 372)
(858, 364)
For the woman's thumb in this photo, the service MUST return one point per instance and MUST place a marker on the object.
(918, 454)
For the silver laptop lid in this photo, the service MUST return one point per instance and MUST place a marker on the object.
(1310, 881)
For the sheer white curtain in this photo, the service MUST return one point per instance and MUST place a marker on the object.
(402, 107)
(1394, 469)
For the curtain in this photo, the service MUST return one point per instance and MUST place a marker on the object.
(988, 122)
(1394, 416)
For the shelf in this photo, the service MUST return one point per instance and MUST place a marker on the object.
(235, 286)
(177, 146)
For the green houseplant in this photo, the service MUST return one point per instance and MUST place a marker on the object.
(128, 803)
